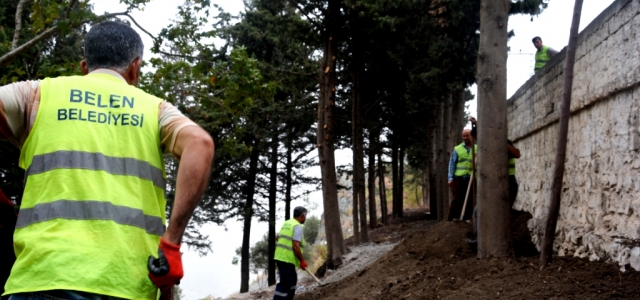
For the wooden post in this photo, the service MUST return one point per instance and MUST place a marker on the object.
(561, 147)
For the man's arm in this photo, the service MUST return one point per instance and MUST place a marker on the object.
(18, 102)
(515, 152)
(195, 148)
(296, 250)
(474, 127)
(452, 166)
(551, 52)
(298, 236)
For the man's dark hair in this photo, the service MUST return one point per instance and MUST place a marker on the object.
(112, 45)
(533, 40)
(298, 211)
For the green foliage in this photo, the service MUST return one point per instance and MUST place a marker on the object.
(528, 7)
(259, 256)
(321, 252)
(55, 56)
(311, 226)
(413, 186)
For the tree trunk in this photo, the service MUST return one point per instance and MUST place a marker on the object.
(371, 182)
(382, 189)
(561, 147)
(355, 209)
(288, 180)
(440, 162)
(326, 136)
(493, 203)
(434, 204)
(358, 136)
(425, 186)
(355, 140)
(248, 214)
(364, 232)
(273, 189)
(394, 178)
(416, 188)
(447, 147)
(401, 183)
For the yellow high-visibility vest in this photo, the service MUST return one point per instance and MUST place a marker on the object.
(93, 209)
(465, 161)
(284, 247)
(512, 166)
(542, 58)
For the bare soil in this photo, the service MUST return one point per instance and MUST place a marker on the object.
(430, 260)
(437, 263)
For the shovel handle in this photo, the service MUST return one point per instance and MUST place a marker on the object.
(466, 197)
(314, 276)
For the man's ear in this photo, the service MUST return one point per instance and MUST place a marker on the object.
(133, 72)
(84, 67)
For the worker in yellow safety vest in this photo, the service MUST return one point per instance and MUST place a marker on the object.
(543, 55)
(459, 174)
(91, 223)
(513, 153)
(288, 256)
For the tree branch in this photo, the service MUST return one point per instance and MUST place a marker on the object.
(4, 59)
(16, 32)
(306, 14)
(138, 25)
(293, 72)
(157, 40)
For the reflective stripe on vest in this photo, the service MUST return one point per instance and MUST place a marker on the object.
(97, 162)
(542, 57)
(93, 208)
(284, 246)
(512, 166)
(465, 162)
(90, 210)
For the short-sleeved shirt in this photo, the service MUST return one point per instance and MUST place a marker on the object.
(297, 233)
(19, 104)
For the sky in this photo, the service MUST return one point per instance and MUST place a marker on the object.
(214, 274)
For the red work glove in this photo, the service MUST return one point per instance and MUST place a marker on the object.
(303, 264)
(166, 270)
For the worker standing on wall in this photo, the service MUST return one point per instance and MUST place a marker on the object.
(92, 219)
(288, 256)
(543, 55)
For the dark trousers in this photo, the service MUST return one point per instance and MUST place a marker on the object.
(459, 191)
(513, 189)
(286, 288)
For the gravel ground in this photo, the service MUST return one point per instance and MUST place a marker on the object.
(356, 260)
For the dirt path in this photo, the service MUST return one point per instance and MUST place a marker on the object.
(438, 264)
(433, 261)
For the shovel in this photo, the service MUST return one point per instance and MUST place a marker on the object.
(314, 277)
(466, 197)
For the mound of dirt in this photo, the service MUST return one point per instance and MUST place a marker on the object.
(437, 263)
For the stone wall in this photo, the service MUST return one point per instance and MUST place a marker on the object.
(600, 212)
